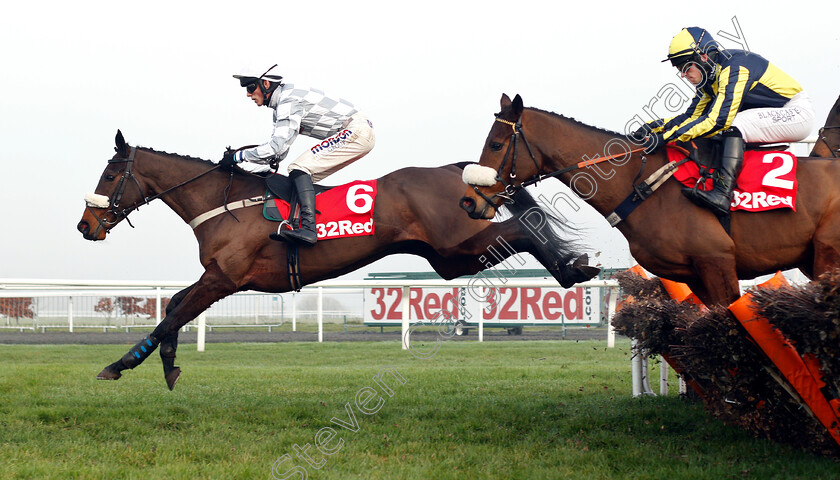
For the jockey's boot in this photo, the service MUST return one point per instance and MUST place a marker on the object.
(306, 234)
(719, 198)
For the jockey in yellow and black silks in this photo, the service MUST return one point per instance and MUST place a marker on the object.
(740, 96)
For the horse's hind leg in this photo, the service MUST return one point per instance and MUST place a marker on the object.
(532, 231)
(500, 241)
(212, 286)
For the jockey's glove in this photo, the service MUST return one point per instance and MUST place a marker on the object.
(653, 143)
(228, 160)
(639, 135)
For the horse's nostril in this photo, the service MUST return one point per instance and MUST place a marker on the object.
(468, 204)
(83, 227)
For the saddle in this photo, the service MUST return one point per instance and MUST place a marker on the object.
(767, 179)
(280, 187)
(706, 152)
(348, 212)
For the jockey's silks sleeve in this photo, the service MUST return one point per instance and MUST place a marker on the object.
(743, 81)
(307, 111)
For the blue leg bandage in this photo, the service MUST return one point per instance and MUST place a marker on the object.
(140, 352)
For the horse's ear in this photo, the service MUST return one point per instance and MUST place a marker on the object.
(505, 101)
(517, 106)
(121, 147)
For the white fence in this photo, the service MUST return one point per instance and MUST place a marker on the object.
(77, 304)
(143, 304)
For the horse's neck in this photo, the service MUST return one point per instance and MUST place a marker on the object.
(603, 185)
(162, 172)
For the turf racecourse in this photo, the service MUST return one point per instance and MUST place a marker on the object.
(541, 409)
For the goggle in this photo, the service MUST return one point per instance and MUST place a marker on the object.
(252, 87)
(682, 62)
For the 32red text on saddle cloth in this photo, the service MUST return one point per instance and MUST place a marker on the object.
(342, 211)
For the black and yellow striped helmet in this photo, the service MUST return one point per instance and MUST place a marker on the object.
(687, 46)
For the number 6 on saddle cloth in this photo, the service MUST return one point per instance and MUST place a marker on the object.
(342, 211)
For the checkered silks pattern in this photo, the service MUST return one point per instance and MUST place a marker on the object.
(300, 109)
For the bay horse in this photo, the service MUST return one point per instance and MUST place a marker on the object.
(415, 213)
(828, 138)
(668, 234)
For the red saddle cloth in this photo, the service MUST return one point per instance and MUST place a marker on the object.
(767, 180)
(342, 211)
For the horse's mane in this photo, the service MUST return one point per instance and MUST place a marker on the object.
(185, 157)
(577, 122)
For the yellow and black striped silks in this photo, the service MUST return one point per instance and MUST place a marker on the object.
(743, 80)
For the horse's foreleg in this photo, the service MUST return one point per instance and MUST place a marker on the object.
(718, 278)
(213, 285)
(169, 343)
(826, 257)
(168, 346)
(137, 354)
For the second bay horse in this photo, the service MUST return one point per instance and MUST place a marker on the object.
(667, 233)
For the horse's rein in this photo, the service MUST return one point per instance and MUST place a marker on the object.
(641, 191)
(114, 203)
(511, 189)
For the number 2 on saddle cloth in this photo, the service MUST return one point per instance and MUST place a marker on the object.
(767, 180)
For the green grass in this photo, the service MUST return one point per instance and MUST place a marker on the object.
(493, 410)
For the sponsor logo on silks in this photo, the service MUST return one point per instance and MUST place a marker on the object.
(330, 144)
(759, 200)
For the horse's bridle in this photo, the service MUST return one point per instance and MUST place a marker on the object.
(511, 188)
(511, 152)
(821, 138)
(114, 202)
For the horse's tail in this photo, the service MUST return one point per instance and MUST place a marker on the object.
(562, 258)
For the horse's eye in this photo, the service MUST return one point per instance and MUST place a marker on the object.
(109, 178)
(495, 146)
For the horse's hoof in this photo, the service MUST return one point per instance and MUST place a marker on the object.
(581, 261)
(570, 276)
(106, 374)
(172, 377)
(586, 272)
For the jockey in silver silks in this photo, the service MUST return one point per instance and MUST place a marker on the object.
(345, 136)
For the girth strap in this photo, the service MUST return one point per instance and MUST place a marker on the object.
(293, 263)
(248, 202)
(642, 191)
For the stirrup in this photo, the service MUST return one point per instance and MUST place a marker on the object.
(278, 234)
(299, 236)
(702, 200)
